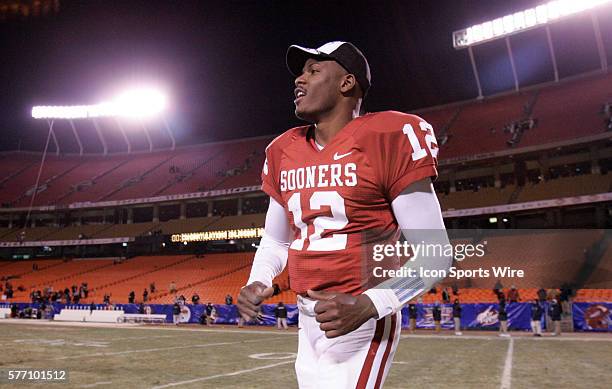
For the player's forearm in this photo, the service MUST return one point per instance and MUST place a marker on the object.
(418, 213)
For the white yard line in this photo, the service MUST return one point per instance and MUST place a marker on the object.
(445, 337)
(506, 378)
(212, 377)
(124, 326)
(137, 338)
(159, 349)
(96, 384)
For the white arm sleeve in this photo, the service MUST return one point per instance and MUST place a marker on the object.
(271, 256)
(418, 214)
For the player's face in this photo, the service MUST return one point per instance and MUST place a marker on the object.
(317, 89)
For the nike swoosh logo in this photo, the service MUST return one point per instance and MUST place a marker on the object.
(340, 156)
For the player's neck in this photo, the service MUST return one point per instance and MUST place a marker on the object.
(329, 126)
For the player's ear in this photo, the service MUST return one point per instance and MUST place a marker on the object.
(348, 84)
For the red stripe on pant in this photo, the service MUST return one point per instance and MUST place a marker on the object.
(369, 361)
(383, 363)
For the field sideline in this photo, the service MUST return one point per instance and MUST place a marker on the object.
(130, 356)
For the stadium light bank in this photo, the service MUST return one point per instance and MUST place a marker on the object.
(134, 104)
(528, 19)
(521, 21)
(140, 103)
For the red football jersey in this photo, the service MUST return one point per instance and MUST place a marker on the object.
(338, 200)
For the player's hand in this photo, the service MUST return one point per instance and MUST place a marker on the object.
(251, 297)
(341, 313)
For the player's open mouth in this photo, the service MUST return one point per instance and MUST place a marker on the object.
(299, 93)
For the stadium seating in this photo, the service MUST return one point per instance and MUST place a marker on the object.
(21, 269)
(212, 276)
(484, 197)
(566, 186)
(78, 179)
(479, 127)
(569, 110)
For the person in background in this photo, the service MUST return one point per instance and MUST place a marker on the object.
(498, 288)
(503, 318)
(229, 300)
(42, 311)
(85, 289)
(145, 295)
(554, 311)
(281, 316)
(536, 317)
(152, 287)
(67, 296)
(131, 297)
(445, 296)
(195, 299)
(412, 317)
(210, 312)
(542, 295)
(172, 287)
(564, 298)
(513, 295)
(176, 313)
(92, 307)
(455, 290)
(457, 317)
(437, 316)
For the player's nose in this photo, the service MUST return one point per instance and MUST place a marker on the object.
(300, 80)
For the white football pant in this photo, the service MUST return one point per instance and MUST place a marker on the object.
(360, 359)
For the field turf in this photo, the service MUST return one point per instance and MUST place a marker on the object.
(226, 357)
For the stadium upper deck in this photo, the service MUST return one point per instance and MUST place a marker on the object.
(571, 110)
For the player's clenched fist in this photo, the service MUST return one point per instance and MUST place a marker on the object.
(251, 297)
(341, 313)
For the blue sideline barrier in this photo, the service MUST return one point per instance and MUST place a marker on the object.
(587, 316)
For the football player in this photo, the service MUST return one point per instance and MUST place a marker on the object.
(337, 186)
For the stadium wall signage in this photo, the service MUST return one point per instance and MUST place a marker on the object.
(243, 233)
(66, 242)
(560, 202)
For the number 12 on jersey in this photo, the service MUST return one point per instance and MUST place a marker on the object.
(337, 221)
(417, 151)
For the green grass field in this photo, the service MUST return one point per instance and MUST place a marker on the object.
(195, 357)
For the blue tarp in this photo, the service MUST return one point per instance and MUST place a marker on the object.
(592, 316)
(587, 316)
(474, 316)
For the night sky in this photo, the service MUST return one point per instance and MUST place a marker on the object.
(223, 63)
